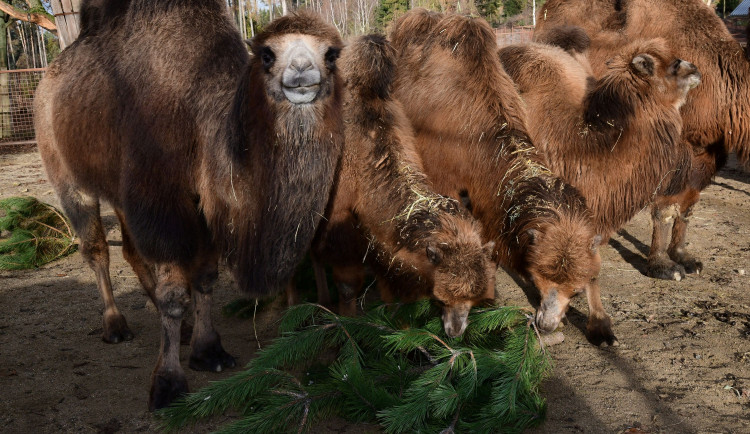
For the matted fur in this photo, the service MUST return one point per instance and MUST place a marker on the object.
(617, 139)
(471, 134)
(159, 110)
(384, 213)
(694, 32)
(714, 116)
(570, 38)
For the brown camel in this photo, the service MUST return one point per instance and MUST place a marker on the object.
(616, 138)
(385, 214)
(714, 115)
(159, 110)
(470, 131)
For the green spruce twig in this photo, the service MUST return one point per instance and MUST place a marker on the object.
(37, 234)
(394, 366)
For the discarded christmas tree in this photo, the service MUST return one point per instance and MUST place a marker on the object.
(394, 366)
(39, 234)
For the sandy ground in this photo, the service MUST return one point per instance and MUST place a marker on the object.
(683, 366)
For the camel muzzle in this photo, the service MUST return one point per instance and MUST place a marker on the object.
(301, 78)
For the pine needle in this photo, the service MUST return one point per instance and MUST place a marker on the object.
(393, 366)
(38, 234)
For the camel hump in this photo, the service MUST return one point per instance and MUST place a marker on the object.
(413, 27)
(369, 65)
(572, 39)
(465, 36)
(97, 15)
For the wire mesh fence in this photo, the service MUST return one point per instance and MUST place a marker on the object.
(17, 104)
(513, 35)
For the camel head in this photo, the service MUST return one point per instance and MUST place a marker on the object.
(463, 272)
(649, 67)
(563, 260)
(297, 54)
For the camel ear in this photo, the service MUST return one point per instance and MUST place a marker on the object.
(533, 234)
(596, 242)
(643, 64)
(434, 255)
(489, 248)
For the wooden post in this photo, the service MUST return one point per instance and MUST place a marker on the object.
(67, 20)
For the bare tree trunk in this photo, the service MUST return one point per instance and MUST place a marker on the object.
(284, 9)
(24, 45)
(11, 52)
(5, 126)
(243, 23)
(41, 48)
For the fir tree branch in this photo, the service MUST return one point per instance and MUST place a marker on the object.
(451, 429)
(62, 218)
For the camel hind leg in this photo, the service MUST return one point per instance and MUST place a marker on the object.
(143, 270)
(83, 212)
(671, 260)
(664, 212)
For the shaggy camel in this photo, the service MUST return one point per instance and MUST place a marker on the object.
(714, 115)
(616, 138)
(418, 243)
(470, 132)
(191, 140)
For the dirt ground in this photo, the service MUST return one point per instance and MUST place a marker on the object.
(683, 364)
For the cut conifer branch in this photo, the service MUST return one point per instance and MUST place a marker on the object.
(37, 234)
(394, 366)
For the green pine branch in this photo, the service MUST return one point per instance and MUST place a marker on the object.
(394, 366)
(38, 234)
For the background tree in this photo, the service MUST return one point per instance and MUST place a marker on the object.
(388, 10)
(725, 7)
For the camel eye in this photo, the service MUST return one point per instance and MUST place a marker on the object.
(331, 55)
(267, 57)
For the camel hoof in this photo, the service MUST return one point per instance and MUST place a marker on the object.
(116, 330)
(166, 387)
(599, 332)
(691, 265)
(666, 270)
(211, 357)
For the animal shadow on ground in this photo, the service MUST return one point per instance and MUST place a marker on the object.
(672, 421)
(635, 258)
(729, 187)
(558, 387)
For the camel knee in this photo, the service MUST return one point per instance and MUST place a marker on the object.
(173, 299)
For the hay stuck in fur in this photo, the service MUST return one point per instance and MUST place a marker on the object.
(37, 234)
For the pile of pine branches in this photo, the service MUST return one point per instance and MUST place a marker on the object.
(37, 234)
(394, 366)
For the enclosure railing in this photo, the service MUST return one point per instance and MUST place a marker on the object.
(513, 35)
(17, 104)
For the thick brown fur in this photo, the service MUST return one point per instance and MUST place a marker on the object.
(714, 115)
(470, 132)
(616, 139)
(159, 110)
(384, 212)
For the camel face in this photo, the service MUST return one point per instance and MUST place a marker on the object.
(298, 68)
(554, 272)
(460, 283)
(687, 76)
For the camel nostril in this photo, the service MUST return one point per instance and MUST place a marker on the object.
(301, 64)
